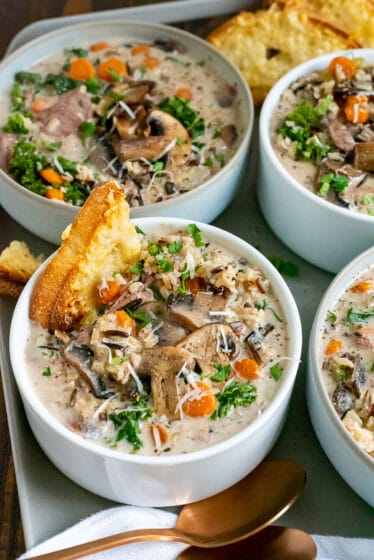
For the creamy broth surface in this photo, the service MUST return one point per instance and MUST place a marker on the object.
(347, 358)
(161, 124)
(200, 355)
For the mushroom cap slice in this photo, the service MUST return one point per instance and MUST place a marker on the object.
(212, 344)
(192, 310)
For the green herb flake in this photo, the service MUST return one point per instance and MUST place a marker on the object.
(196, 234)
(181, 110)
(61, 84)
(286, 268)
(338, 182)
(222, 374)
(28, 78)
(118, 360)
(177, 61)
(80, 53)
(183, 277)
(175, 247)
(87, 129)
(68, 165)
(139, 230)
(330, 316)
(76, 193)
(180, 141)
(200, 63)
(164, 264)
(157, 166)
(128, 423)
(47, 372)
(234, 395)
(357, 316)
(137, 268)
(116, 77)
(139, 317)
(154, 249)
(264, 305)
(276, 372)
(16, 124)
(156, 292)
(368, 199)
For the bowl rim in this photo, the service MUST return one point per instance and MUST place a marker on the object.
(267, 110)
(237, 245)
(333, 292)
(246, 101)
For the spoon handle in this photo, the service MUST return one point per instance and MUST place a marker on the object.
(113, 541)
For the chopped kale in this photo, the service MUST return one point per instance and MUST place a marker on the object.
(67, 165)
(61, 84)
(16, 124)
(76, 193)
(25, 166)
(28, 78)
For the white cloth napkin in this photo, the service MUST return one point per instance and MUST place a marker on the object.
(127, 518)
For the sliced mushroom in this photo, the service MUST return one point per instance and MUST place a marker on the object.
(226, 95)
(193, 311)
(170, 45)
(363, 158)
(133, 300)
(342, 398)
(168, 332)
(163, 363)
(215, 343)
(134, 92)
(341, 135)
(229, 134)
(79, 356)
(365, 337)
(353, 370)
(355, 178)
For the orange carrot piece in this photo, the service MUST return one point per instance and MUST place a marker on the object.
(107, 295)
(356, 109)
(163, 434)
(333, 347)
(341, 65)
(362, 287)
(125, 321)
(38, 105)
(184, 93)
(248, 368)
(201, 405)
(151, 62)
(114, 65)
(81, 69)
(100, 46)
(51, 176)
(141, 49)
(55, 194)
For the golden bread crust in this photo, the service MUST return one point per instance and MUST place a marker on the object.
(100, 239)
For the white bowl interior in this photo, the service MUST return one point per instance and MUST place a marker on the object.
(21, 324)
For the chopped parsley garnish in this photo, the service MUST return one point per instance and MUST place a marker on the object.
(301, 127)
(286, 268)
(154, 249)
(183, 277)
(175, 247)
(139, 316)
(81, 53)
(47, 372)
(127, 423)
(264, 305)
(208, 162)
(217, 130)
(337, 182)
(76, 193)
(117, 360)
(116, 77)
(68, 165)
(200, 63)
(234, 395)
(17, 98)
(196, 234)
(157, 166)
(137, 268)
(182, 62)
(87, 129)
(181, 110)
(93, 85)
(330, 316)
(25, 166)
(180, 141)
(276, 372)
(164, 264)
(156, 292)
(138, 230)
(61, 84)
(368, 199)
(222, 374)
(27, 78)
(358, 317)
(16, 124)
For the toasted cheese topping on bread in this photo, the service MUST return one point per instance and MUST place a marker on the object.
(100, 240)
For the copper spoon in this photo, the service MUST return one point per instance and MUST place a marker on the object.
(272, 543)
(240, 511)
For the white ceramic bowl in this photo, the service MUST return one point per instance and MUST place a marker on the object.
(317, 230)
(166, 480)
(48, 218)
(349, 459)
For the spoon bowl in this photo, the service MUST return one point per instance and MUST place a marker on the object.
(272, 543)
(234, 514)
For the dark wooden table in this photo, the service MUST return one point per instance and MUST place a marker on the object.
(13, 17)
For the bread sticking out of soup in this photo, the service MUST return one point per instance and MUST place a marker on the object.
(159, 343)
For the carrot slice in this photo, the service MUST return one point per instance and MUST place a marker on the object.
(362, 287)
(55, 194)
(38, 105)
(51, 176)
(184, 93)
(108, 294)
(333, 347)
(81, 69)
(141, 49)
(248, 368)
(151, 62)
(125, 321)
(342, 68)
(356, 109)
(203, 404)
(162, 432)
(109, 68)
(100, 46)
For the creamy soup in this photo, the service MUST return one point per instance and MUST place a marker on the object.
(150, 116)
(347, 358)
(323, 133)
(188, 347)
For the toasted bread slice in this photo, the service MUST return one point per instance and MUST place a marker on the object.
(100, 240)
(268, 43)
(17, 265)
(355, 18)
